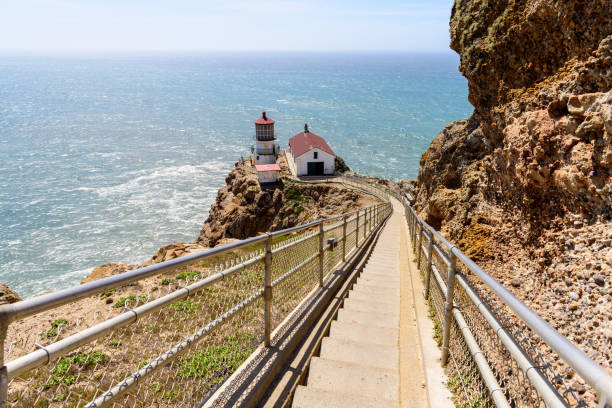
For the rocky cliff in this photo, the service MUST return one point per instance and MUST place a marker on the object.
(244, 208)
(524, 185)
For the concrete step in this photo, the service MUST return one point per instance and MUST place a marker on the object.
(332, 375)
(390, 299)
(349, 351)
(388, 336)
(310, 397)
(374, 278)
(378, 284)
(371, 306)
(382, 270)
(390, 277)
(376, 292)
(379, 320)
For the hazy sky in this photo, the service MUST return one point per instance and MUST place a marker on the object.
(223, 25)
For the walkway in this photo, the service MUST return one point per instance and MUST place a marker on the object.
(372, 357)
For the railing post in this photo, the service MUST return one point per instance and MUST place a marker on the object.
(268, 291)
(3, 372)
(448, 305)
(419, 246)
(344, 238)
(321, 254)
(428, 268)
(357, 231)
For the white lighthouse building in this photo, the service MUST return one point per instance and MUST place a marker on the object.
(265, 149)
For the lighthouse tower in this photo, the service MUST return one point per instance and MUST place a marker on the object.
(265, 150)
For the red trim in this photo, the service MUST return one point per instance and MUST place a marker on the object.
(267, 167)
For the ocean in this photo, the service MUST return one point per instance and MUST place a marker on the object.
(107, 158)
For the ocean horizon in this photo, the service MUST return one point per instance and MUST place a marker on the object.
(106, 158)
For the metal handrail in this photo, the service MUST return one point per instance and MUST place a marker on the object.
(595, 375)
(44, 355)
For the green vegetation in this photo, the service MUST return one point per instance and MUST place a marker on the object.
(64, 371)
(55, 326)
(183, 306)
(189, 275)
(473, 403)
(294, 194)
(107, 293)
(166, 281)
(114, 343)
(298, 209)
(437, 334)
(131, 299)
(216, 361)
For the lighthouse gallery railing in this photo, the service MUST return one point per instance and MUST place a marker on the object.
(169, 333)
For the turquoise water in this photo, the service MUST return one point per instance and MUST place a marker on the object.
(107, 159)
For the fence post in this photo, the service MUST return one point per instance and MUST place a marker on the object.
(419, 246)
(3, 372)
(357, 230)
(268, 291)
(321, 254)
(448, 305)
(344, 239)
(428, 268)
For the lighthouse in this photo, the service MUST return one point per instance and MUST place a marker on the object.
(265, 149)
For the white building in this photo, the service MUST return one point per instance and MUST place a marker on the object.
(311, 155)
(267, 173)
(265, 150)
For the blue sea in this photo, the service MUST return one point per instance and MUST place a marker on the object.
(107, 158)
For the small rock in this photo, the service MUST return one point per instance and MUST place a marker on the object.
(573, 306)
(516, 282)
(573, 295)
(599, 280)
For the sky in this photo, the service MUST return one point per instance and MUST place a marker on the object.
(223, 25)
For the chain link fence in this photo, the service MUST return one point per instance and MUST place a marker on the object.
(168, 334)
(493, 356)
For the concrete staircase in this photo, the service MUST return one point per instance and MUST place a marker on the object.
(358, 364)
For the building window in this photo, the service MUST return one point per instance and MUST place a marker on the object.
(316, 155)
(257, 158)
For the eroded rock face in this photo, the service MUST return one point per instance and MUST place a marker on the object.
(244, 208)
(8, 295)
(524, 186)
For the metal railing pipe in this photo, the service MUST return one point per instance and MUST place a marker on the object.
(448, 306)
(357, 230)
(268, 291)
(495, 391)
(28, 307)
(591, 372)
(428, 266)
(321, 254)
(548, 393)
(344, 240)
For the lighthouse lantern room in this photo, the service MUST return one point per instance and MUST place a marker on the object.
(265, 150)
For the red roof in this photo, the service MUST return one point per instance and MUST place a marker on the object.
(264, 120)
(267, 167)
(305, 141)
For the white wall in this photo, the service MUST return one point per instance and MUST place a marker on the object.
(267, 176)
(264, 158)
(301, 162)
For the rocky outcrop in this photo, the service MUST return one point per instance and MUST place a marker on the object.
(8, 295)
(340, 166)
(244, 208)
(524, 185)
